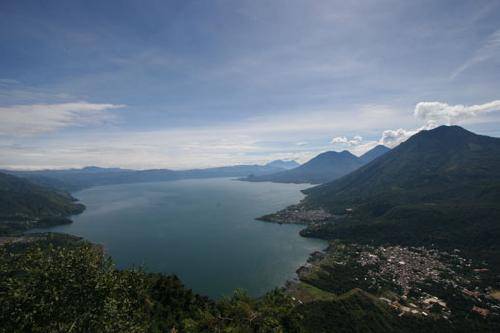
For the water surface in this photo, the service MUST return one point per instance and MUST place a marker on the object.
(202, 230)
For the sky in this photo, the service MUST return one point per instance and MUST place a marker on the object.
(190, 84)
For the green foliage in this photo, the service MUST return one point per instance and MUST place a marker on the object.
(60, 284)
(241, 313)
(55, 289)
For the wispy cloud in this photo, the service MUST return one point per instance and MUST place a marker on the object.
(33, 119)
(488, 50)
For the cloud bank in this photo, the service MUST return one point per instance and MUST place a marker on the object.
(34, 119)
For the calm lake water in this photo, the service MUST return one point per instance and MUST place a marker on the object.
(202, 230)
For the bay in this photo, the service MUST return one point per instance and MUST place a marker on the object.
(202, 230)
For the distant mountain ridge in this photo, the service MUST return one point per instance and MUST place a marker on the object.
(77, 179)
(323, 168)
(288, 164)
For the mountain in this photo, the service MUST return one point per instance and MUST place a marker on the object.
(24, 205)
(323, 168)
(77, 179)
(95, 169)
(374, 153)
(281, 164)
(440, 187)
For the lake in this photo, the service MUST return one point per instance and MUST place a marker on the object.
(202, 230)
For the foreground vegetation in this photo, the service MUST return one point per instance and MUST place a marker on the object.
(58, 283)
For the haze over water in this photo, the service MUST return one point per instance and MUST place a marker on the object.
(203, 230)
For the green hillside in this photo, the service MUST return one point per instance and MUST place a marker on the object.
(440, 187)
(24, 205)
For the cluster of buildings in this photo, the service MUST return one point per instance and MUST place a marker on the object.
(298, 214)
(403, 266)
(414, 269)
(410, 278)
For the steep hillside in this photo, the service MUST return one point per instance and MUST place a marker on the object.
(443, 165)
(24, 204)
(441, 187)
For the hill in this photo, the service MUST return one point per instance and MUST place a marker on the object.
(24, 205)
(440, 187)
(323, 168)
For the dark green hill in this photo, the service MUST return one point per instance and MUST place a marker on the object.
(24, 204)
(440, 187)
(443, 165)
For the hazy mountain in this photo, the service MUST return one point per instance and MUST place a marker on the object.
(24, 204)
(281, 164)
(439, 187)
(374, 153)
(76, 179)
(323, 168)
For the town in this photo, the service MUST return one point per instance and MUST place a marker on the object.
(412, 280)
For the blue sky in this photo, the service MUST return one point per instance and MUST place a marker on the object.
(181, 84)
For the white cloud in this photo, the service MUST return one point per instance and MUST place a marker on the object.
(255, 140)
(298, 136)
(392, 138)
(356, 140)
(33, 119)
(444, 114)
(434, 114)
